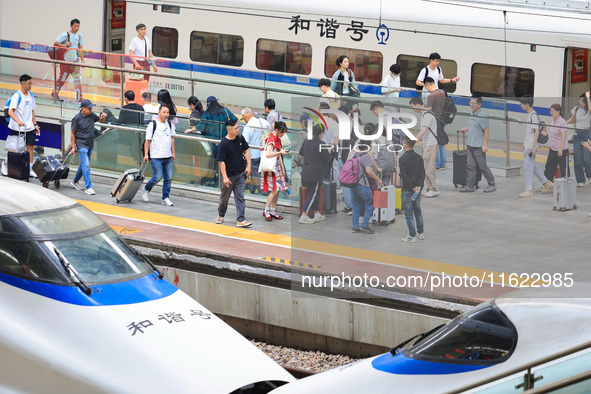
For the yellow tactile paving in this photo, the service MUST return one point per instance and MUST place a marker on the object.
(298, 243)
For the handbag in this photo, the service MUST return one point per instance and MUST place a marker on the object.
(267, 163)
(15, 143)
(353, 89)
(542, 138)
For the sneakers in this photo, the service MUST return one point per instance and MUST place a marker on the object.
(319, 218)
(167, 202)
(339, 190)
(75, 185)
(526, 194)
(90, 191)
(32, 173)
(467, 189)
(347, 211)
(366, 230)
(356, 230)
(243, 223)
(4, 168)
(408, 238)
(421, 236)
(145, 196)
(219, 220)
(580, 184)
(431, 193)
(490, 188)
(306, 220)
(547, 187)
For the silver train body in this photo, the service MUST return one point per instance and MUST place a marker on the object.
(81, 312)
(494, 337)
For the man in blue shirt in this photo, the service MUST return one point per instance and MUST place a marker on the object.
(75, 54)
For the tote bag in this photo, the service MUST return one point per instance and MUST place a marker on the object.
(267, 163)
(15, 143)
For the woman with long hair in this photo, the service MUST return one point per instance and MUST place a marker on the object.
(165, 99)
(274, 182)
(558, 152)
(343, 77)
(196, 113)
(582, 120)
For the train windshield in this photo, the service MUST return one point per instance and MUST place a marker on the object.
(483, 336)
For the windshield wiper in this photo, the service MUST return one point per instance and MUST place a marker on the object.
(422, 336)
(160, 274)
(68, 267)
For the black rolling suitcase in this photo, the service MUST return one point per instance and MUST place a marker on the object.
(51, 169)
(460, 162)
(18, 165)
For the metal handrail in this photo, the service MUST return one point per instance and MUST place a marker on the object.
(525, 367)
(581, 377)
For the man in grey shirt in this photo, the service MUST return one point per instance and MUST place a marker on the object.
(477, 145)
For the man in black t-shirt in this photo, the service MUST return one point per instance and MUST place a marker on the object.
(234, 159)
(131, 113)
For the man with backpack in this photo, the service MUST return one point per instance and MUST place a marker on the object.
(434, 71)
(72, 40)
(21, 110)
(436, 104)
(428, 142)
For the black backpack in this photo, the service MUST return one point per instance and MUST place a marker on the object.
(449, 110)
(417, 87)
(439, 134)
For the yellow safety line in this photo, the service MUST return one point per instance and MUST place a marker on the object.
(291, 263)
(298, 243)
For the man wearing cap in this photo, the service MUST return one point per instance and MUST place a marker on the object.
(83, 142)
(213, 121)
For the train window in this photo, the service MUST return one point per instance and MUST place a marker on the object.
(70, 220)
(216, 48)
(101, 257)
(412, 66)
(490, 80)
(367, 65)
(165, 42)
(25, 259)
(284, 56)
(483, 336)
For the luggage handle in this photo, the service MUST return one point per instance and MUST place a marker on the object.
(463, 140)
(143, 166)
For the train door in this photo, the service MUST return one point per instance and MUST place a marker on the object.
(576, 76)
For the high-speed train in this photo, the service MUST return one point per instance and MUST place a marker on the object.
(81, 312)
(494, 337)
(498, 48)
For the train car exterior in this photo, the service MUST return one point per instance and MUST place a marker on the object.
(83, 312)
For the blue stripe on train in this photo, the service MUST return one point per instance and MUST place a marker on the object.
(401, 365)
(147, 288)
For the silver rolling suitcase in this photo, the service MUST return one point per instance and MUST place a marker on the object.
(384, 212)
(128, 184)
(565, 192)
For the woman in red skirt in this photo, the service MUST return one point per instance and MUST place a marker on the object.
(274, 182)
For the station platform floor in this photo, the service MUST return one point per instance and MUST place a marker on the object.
(477, 246)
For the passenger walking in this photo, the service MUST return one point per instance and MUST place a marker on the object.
(558, 154)
(159, 151)
(343, 81)
(434, 71)
(22, 118)
(412, 174)
(234, 159)
(83, 142)
(131, 113)
(140, 51)
(274, 182)
(213, 121)
(315, 160)
(253, 134)
(391, 85)
(196, 113)
(74, 54)
(428, 143)
(530, 147)
(477, 146)
(362, 194)
(436, 104)
(581, 118)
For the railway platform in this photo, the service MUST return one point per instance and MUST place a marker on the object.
(477, 245)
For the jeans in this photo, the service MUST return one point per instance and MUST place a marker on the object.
(237, 185)
(581, 156)
(412, 212)
(346, 191)
(84, 168)
(441, 157)
(530, 168)
(362, 199)
(161, 167)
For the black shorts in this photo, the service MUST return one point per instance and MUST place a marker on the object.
(29, 136)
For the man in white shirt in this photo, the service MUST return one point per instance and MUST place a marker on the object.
(22, 116)
(328, 95)
(253, 134)
(391, 84)
(427, 141)
(140, 51)
(75, 54)
(434, 71)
